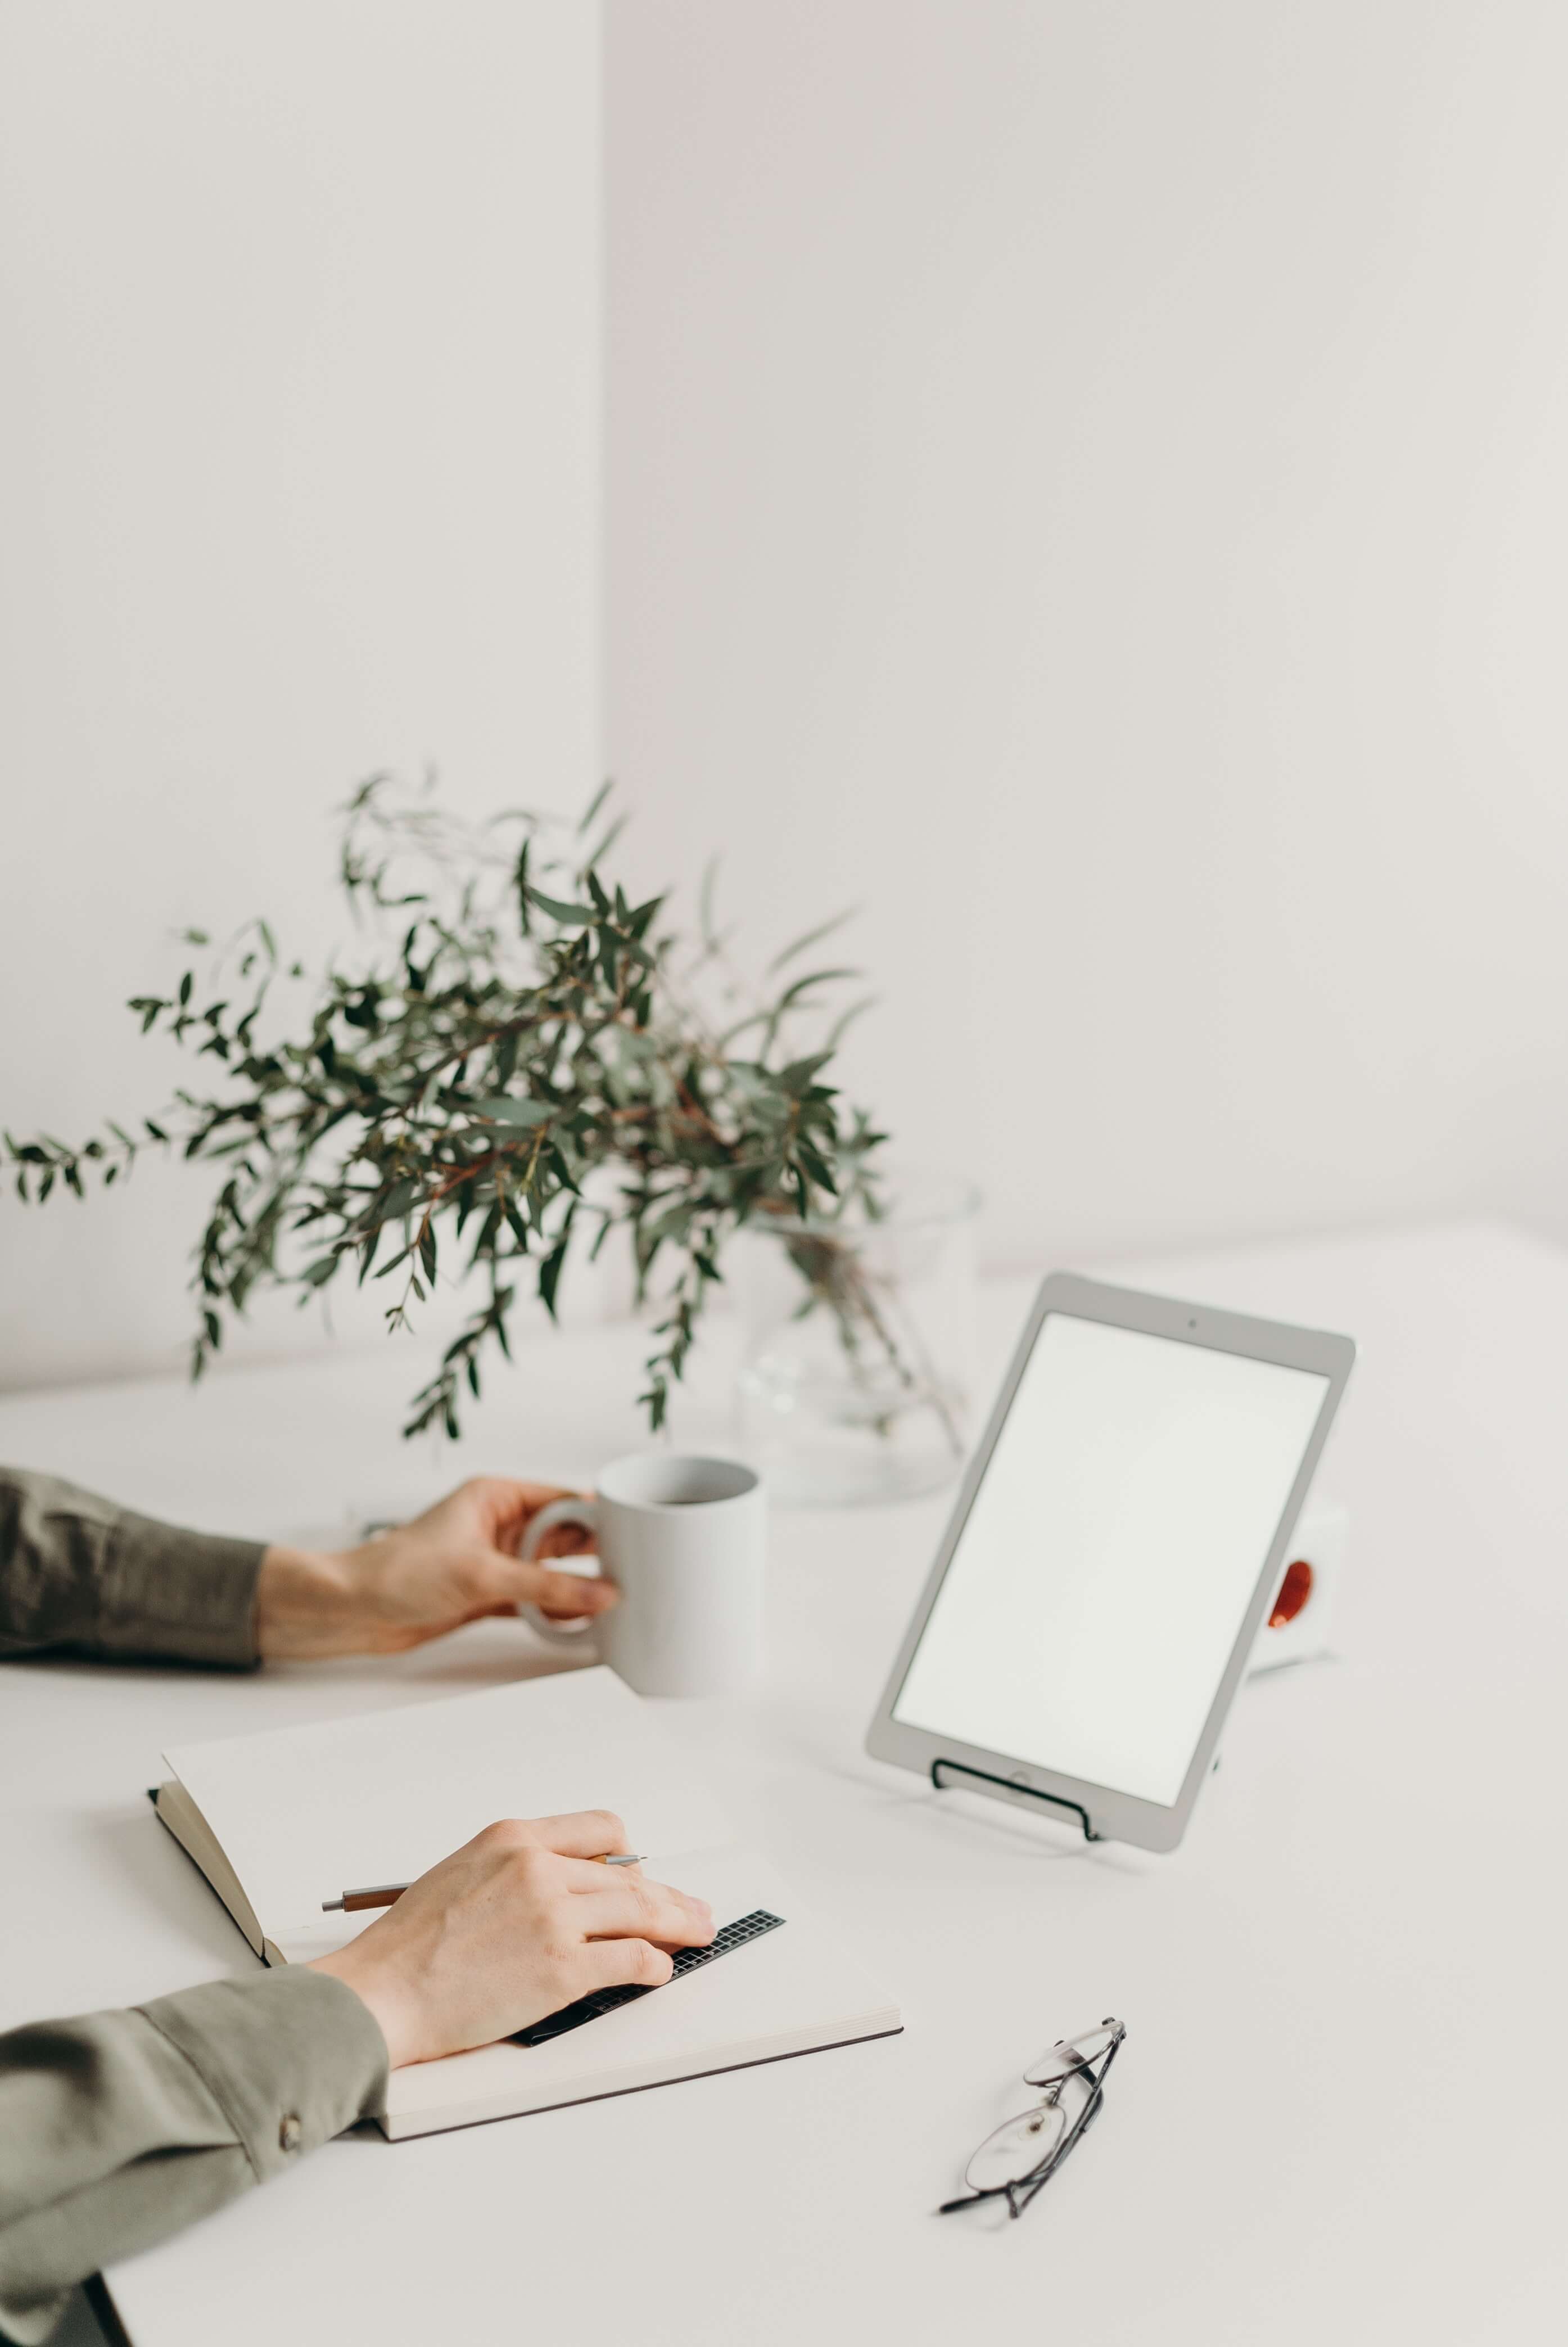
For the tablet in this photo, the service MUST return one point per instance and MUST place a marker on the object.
(1121, 1532)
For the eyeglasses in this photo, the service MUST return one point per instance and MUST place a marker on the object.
(1025, 2152)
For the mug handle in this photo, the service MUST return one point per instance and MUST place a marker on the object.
(559, 1511)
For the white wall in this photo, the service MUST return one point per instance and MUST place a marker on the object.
(1090, 481)
(299, 472)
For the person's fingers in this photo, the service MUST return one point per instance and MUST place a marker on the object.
(642, 1910)
(581, 1833)
(500, 1506)
(511, 1507)
(578, 1874)
(567, 1540)
(489, 1499)
(564, 1596)
(587, 1878)
(568, 1597)
(616, 1964)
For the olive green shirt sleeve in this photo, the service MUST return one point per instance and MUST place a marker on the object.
(81, 1575)
(119, 2128)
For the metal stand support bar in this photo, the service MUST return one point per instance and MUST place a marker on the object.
(962, 1768)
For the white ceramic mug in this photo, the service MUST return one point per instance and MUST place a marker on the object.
(683, 1540)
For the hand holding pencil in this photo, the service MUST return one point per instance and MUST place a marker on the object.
(524, 1919)
(386, 1894)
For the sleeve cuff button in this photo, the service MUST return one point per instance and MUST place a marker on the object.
(289, 2133)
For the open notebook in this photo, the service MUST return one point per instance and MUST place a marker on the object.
(281, 1822)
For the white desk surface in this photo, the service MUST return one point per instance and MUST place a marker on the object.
(1338, 2112)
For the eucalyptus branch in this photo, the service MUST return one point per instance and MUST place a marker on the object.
(515, 1031)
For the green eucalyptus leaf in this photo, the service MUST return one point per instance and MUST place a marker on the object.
(596, 802)
(811, 938)
(797, 1076)
(791, 995)
(818, 1171)
(569, 915)
(523, 1113)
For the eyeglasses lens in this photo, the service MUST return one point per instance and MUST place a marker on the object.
(1017, 2147)
(1069, 2055)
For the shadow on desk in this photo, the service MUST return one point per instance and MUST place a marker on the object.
(1033, 1836)
(481, 1654)
(150, 1871)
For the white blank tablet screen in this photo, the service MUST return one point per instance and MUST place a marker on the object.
(1092, 1604)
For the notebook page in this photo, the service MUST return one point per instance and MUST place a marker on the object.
(304, 1813)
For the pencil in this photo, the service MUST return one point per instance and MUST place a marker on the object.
(386, 1894)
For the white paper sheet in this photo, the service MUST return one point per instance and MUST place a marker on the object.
(304, 1813)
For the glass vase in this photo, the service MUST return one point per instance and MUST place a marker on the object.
(856, 1380)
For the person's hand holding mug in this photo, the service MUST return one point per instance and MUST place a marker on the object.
(455, 1564)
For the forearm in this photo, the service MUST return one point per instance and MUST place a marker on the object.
(79, 1573)
(310, 1603)
(119, 2128)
